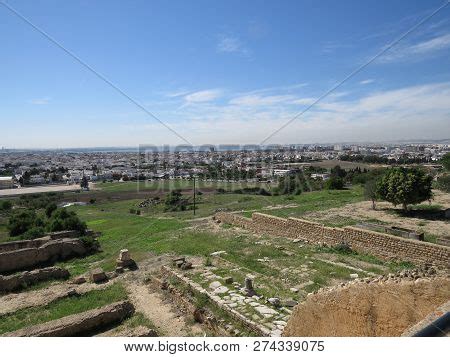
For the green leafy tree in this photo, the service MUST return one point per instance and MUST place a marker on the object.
(175, 201)
(446, 161)
(21, 221)
(50, 208)
(443, 183)
(292, 184)
(84, 183)
(334, 183)
(370, 192)
(5, 205)
(404, 186)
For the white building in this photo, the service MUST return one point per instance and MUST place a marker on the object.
(6, 182)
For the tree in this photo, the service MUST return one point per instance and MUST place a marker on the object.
(5, 205)
(50, 208)
(443, 183)
(84, 184)
(370, 192)
(175, 201)
(446, 161)
(338, 172)
(334, 183)
(404, 186)
(21, 221)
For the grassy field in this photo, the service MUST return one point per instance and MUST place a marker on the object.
(60, 308)
(167, 185)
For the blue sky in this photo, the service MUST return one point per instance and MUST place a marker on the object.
(222, 72)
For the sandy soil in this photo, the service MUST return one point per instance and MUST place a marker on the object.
(363, 211)
(378, 309)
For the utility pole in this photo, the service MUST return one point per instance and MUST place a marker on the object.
(194, 195)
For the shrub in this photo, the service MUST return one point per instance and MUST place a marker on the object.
(5, 205)
(35, 232)
(20, 222)
(62, 220)
(334, 183)
(443, 183)
(343, 248)
(89, 242)
(132, 211)
(50, 208)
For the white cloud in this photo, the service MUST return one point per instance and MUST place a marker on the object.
(231, 44)
(203, 96)
(304, 101)
(40, 101)
(367, 81)
(418, 112)
(258, 100)
(417, 51)
(176, 94)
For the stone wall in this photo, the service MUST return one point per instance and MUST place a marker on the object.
(15, 282)
(381, 245)
(83, 324)
(35, 243)
(50, 251)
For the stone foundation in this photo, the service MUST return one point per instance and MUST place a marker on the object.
(45, 252)
(17, 281)
(381, 245)
(82, 324)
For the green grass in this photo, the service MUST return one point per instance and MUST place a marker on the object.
(60, 308)
(120, 229)
(167, 185)
(314, 201)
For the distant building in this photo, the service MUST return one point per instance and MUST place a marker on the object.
(324, 176)
(37, 180)
(284, 172)
(6, 182)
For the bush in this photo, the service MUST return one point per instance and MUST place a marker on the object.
(20, 222)
(35, 232)
(62, 220)
(443, 183)
(138, 212)
(334, 183)
(5, 205)
(51, 207)
(132, 211)
(92, 201)
(343, 248)
(89, 242)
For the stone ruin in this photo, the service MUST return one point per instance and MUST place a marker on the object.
(125, 262)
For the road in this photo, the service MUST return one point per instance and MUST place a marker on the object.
(38, 189)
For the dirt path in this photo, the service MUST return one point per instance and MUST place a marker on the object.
(167, 321)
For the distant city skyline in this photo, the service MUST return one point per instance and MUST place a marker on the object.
(222, 73)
